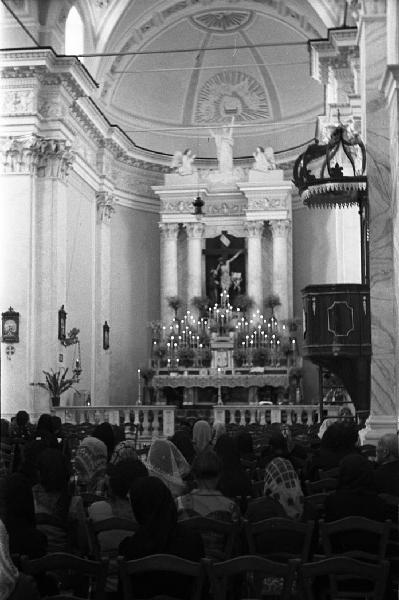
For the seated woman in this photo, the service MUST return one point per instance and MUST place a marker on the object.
(206, 500)
(202, 435)
(233, 481)
(90, 464)
(125, 449)
(282, 484)
(51, 498)
(13, 584)
(182, 440)
(159, 532)
(105, 433)
(167, 463)
(20, 520)
(45, 431)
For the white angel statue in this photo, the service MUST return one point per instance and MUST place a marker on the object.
(264, 159)
(182, 162)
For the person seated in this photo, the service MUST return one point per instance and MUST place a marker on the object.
(340, 439)
(356, 493)
(167, 463)
(182, 440)
(218, 429)
(5, 448)
(206, 500)
(386, 474)
(51, 498)
(120, 477)
(105, 433)
(202, 435)
(90, 464)
(233, 481)
(282, 485)
(20, 520)
(159, 532)
(21, 428)
(125, 449)
(245, 446)
(13, 584)
(45, 431)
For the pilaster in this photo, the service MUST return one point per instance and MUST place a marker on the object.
(280, 230)
(195, 232)
(169, 232)
(254, 230)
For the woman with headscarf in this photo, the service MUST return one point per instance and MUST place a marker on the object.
(283, 485)
(218, 429)
(245, 446)
(166, 462)
(124, 450)
(90, 465)
(356, 493)
(45, 431)
(159, 533)
(202, 435)
(182, 440)
(20, 520)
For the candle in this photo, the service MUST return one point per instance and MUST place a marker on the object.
(139, 384)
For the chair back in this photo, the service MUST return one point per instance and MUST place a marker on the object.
(94, 571)
(253, 570)
(328, 484)
(219, 537)
(346, 577)
(352, 536)
(116, 527)
(314, 505)
(164, 568)
(279, 539)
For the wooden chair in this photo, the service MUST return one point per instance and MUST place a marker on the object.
(279, 539)
(343, 572)
(158, 565)
(121, 527)
(314, 506)
(253, 569)
(209, 529)
(327, 484)
(339, 537)
(93, 572)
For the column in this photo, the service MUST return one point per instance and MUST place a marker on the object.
(169, 232)
(105, 205)
(195, 232)
(254, 231)
(280, 229)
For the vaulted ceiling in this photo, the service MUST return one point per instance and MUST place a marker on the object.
(189, 65)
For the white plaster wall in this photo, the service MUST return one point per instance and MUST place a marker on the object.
(135, 281)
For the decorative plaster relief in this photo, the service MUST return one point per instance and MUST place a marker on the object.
(169, 231)
(46, 157)
(173, 206)
(195, 230)
(222, 21)
(17, 102)
(229, 90)
(105, 206)
(254, 229)
(264, 203)
(280, 227)
(221, 207)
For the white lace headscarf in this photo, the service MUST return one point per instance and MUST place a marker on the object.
(166, 462)
(8, 571)
(202, 435)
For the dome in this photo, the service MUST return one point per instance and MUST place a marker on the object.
(244, 59)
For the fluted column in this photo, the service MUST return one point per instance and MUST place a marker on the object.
(105, 205)
(254, 231)
(169, 232)
(280, 229)
(195, 231)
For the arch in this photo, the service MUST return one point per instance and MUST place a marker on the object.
(74, 33)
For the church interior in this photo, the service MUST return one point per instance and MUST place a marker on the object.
(204, 217)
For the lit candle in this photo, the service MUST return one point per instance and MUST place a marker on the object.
(139, 384)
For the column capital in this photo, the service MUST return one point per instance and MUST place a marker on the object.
(254, 229)
(105, 206)
(280, 227)
(169, 231)
(33, 154)
(195, 230)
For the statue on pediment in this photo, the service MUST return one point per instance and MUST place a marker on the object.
(224, 148)
(182, 162)
(264, 159)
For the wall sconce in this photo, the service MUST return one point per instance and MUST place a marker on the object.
(105, 336)
(62, 323)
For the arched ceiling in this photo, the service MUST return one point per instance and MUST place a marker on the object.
(249, 58)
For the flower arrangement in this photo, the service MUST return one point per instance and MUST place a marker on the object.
(201, 303)
(147, 373)
(56, 384)
(244, 302)
(175, 302)
(240, 356)
(186, 356)
(260, 357)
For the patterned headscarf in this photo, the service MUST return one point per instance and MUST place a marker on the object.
(123, 450)
(283, 485)
(202, 435)
(9, 572)
(91, 463)
(167, 463)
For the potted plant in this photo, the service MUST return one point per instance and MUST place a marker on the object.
(147, 374)
(56, 384)
(175, 302)
(160, 353)
(201, 303)
(186, 356)
(244, 302)
(271, 301)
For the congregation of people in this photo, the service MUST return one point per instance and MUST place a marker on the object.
(59, 483)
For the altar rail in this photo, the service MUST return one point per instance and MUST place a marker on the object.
(245, 414)
(152, 421)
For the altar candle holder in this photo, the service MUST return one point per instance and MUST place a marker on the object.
(139, 385)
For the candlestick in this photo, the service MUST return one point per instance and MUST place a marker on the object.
(139, 383)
